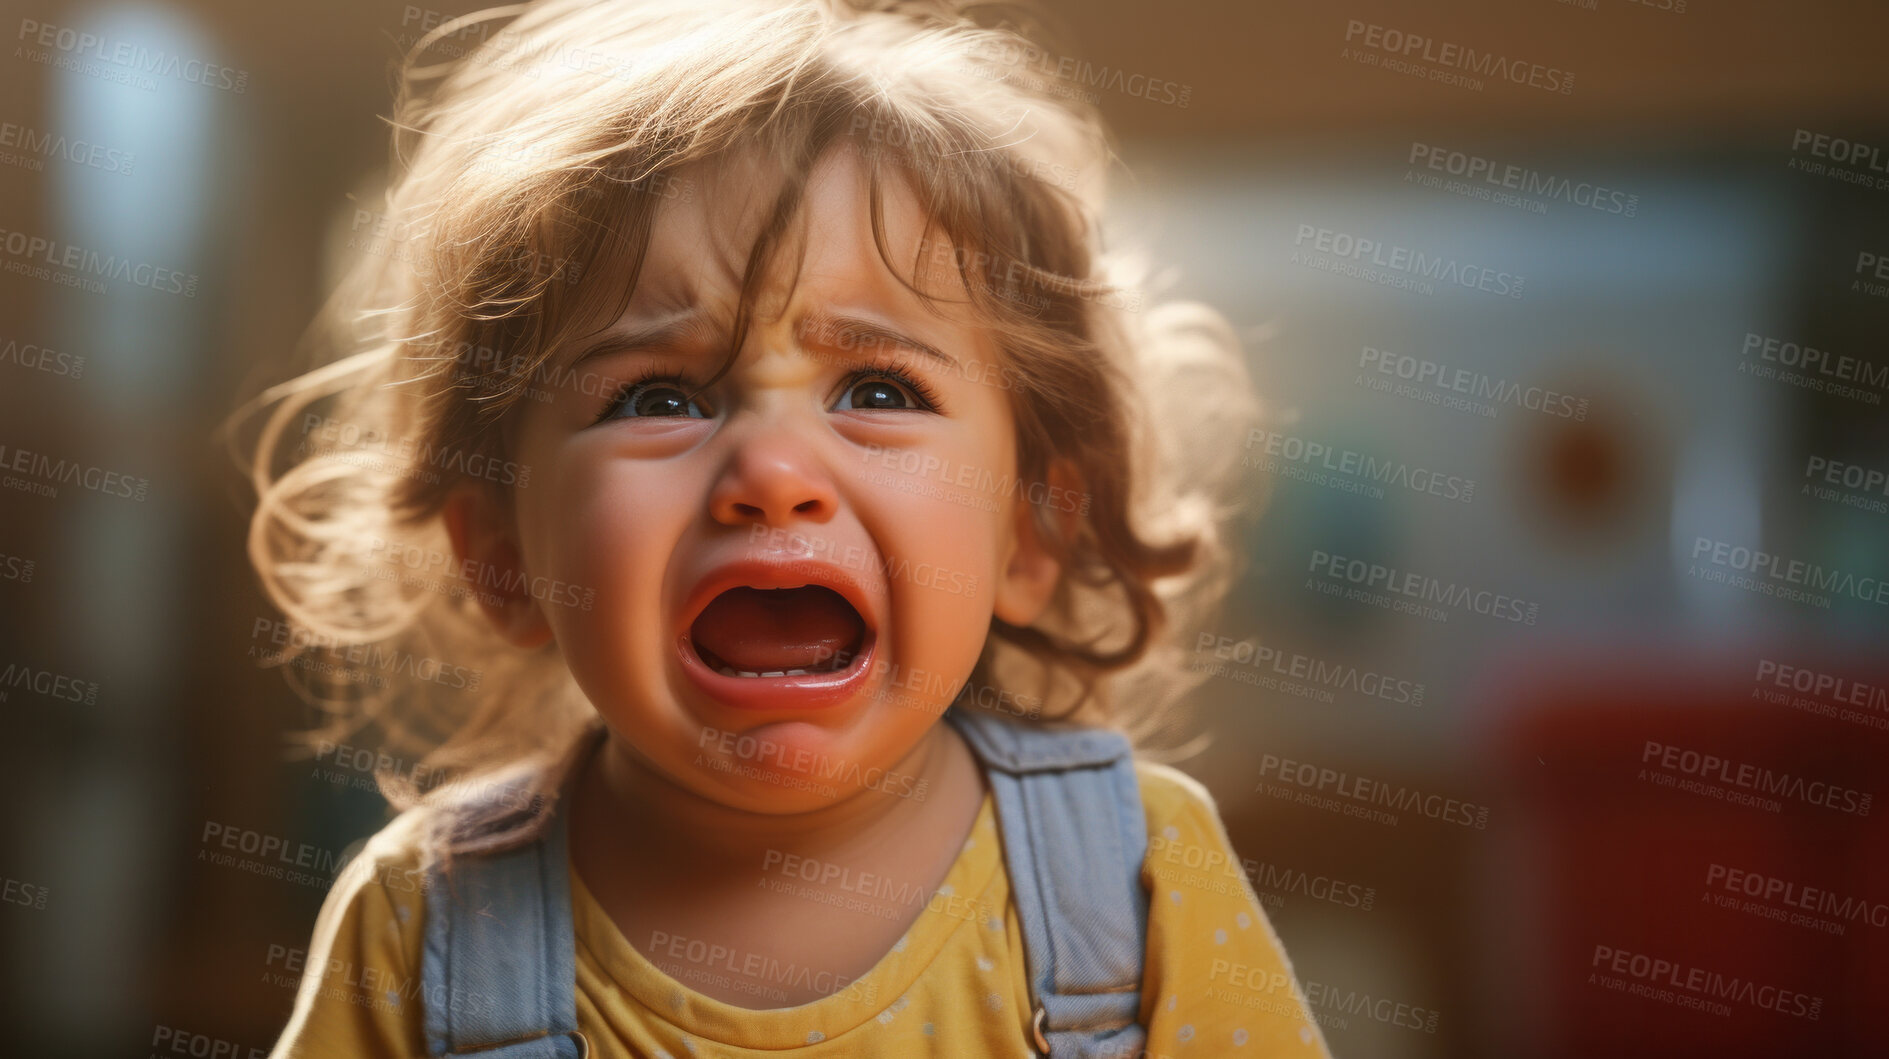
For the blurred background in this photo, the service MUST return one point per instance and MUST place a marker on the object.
(1505, 707)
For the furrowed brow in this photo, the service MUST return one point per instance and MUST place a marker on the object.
(664, 332)
(839, 331)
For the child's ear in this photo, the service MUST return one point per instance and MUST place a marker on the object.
(486, 541)
(1031, 572)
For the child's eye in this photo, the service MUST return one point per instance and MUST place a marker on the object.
(654, 398)
(886, 390)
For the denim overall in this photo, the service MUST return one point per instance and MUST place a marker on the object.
(1074, 835)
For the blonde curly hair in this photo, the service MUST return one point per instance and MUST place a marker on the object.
(548, 146)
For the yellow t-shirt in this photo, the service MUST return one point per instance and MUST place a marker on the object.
(1216, 981)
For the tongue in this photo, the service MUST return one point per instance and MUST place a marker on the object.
(762, 630)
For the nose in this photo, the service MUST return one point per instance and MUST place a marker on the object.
(772, 479)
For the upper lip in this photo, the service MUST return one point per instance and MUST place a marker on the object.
(783, 572)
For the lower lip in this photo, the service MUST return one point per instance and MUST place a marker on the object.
(809, 691)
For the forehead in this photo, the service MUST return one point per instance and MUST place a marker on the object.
(711, 214)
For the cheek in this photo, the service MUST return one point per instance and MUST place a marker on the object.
(946, 549)
(608, 526)
(942, 536)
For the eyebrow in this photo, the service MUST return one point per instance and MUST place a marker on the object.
(656, 333)
(840, 331)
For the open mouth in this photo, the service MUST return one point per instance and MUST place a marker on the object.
(778, 632)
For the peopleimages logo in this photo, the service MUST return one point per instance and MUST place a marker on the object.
(1797, 895)
(1874, 265)
(378, 988)
(1390, 265)
(413, 565)
(1342, 676)
(1771, 574)
(1465, 390)
(171, 1040)
(276, 857)
(1850, 161)
(1176, 860)
(26, 895)
(132, 59)
(753, 966)
(47, 684)
(33, 144)
(1822, 693)
(1842, 151)
(1415, 47)
(42, 475)
(1485, 178)
(1419, 589)
(1077, 73)
(1810, 368)
(1704, 986)
(1266, 449)
(42, 258)
(1365, 791)
(278, 642)
(1742, 778)
(1846, 484)
(416, 457)
(760, 753)
(39, 358)
(1250, 985)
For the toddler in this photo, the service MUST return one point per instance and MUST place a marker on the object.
(731, 396)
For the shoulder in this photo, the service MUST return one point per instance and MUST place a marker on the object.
(393, 857)
(374, 913)
(1171, 797)
(376, 903)
(1185, 832)
(1215, 966)
(360, 990)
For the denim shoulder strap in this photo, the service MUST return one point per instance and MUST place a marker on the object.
(1074, 837)
(500, 961)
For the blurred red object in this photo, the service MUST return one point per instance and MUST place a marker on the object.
(1703, 850)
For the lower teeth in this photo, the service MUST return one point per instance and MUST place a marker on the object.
(731, 671)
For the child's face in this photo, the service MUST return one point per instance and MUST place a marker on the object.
(803, 465)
